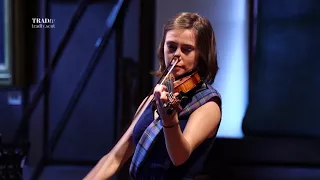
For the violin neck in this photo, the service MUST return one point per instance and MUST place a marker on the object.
(168, 82)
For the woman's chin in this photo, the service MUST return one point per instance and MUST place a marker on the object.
(178, 73)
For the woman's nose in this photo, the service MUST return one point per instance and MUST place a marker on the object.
(178, 52)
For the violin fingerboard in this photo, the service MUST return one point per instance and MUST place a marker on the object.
(168, 82)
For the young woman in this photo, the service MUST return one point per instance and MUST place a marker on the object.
(166, 142)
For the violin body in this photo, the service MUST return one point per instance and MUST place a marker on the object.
(187, 83)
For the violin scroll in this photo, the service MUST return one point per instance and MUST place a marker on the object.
(173, 104)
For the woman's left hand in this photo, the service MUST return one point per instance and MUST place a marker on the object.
(161, 97)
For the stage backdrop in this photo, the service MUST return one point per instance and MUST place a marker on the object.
(284, 95)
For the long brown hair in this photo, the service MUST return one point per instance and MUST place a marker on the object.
(205, 44)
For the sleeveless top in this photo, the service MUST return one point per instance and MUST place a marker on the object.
(158, 165)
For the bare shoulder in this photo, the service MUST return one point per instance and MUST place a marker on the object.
(210, 111)
(203, 123)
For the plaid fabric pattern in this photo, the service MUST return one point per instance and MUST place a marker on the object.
(151, 132)
(144, 144)
(199, 99)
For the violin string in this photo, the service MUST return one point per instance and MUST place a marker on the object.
(171, 80)
(174, 64)
(169, 84)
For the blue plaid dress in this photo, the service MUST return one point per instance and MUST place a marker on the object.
(148, 138)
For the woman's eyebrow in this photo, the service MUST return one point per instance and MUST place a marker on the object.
(188, 45)
(184, 44)
(171, 42)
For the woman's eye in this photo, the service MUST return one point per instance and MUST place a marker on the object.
(171, 46)
(187, 49)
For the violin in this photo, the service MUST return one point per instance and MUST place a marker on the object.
(187, 83)
(182, 85)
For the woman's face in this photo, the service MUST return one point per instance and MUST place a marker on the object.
(180, 43)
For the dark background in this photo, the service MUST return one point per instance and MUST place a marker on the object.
(1, 32)
(281, 125)
(285, 81)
